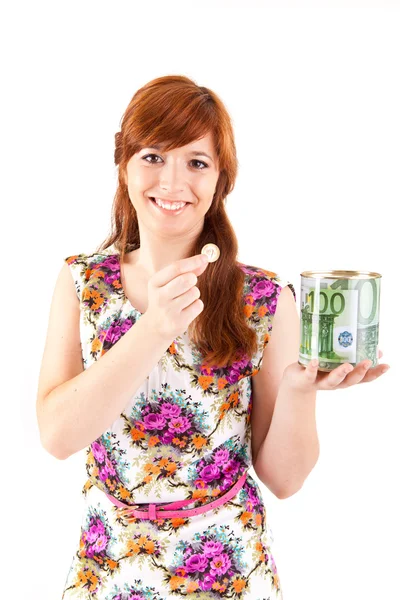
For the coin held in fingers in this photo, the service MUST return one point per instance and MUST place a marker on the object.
(211, 251)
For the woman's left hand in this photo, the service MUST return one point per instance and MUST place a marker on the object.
(308, 379)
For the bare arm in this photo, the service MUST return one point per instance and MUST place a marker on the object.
(291, 449)
(284, 433)
(74, 407)
(78, 411)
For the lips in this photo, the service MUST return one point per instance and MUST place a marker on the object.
(163, 200)
(169, 211)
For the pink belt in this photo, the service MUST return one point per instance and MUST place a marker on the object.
(151, 513)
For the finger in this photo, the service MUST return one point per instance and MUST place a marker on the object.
(380, 353)
(179, 267)
(358, 373)
(311, 370)
(336, 377)
(374, 373)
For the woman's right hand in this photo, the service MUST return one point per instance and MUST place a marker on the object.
(173, 298)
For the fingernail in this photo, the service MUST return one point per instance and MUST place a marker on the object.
(314, 362)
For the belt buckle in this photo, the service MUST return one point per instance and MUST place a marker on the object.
(126, 511)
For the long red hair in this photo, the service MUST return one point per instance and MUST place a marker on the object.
(175, 111)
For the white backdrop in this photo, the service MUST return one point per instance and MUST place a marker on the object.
(314, 96)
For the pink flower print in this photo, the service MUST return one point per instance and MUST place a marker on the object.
(262, 288)
(167, 437)
(231, 467)
(113, 333)
(220, 564)
(111, 263)
(241, 364)
(90, 552)
(199, 483)
(154, 421)
(211, 548)
(232, 376)
(273, 563)
(253, 497)
(227, 483)
(210, 371)
(100, 543)
(221, 456)
(248, 270)
(210, 472)
(126, 325)
(170, 410)
(96, 529)
(206, 583)
(179, 424)
(272, 306)
(99, 452)
(109, 278)
(103, 473)
(110, 467)
(196, 562)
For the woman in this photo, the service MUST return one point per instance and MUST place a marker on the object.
(173, 415)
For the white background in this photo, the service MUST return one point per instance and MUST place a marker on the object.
(314, 97)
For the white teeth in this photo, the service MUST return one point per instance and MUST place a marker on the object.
(169, 205)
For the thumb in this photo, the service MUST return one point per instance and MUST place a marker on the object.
(311, 370)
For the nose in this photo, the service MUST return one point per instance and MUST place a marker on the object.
(171, 178)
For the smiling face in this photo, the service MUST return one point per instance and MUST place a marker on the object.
(187, 174)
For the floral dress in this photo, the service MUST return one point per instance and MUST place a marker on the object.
(184, 434)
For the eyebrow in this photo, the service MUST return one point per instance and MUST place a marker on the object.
(193, 152)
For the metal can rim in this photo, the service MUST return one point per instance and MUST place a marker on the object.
(337, 274)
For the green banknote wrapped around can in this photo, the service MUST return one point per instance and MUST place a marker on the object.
(339, 317)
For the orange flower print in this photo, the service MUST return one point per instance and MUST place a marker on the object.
(137, 435)
(153, 440)
(199, 494)
(96, 345)
(192, 586)
(171, 467)
(177, 522)
(175, 582)
(205, 381)
(199, 441)
(238, 585)
(222, 382)
(248, 310)
(172, 349)
(262, 310)
(245, 516)
(150, 547)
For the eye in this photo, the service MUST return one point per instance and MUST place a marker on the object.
(147, 156)
(205, 166)
(201, 162)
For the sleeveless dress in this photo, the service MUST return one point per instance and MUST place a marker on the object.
(184, 434)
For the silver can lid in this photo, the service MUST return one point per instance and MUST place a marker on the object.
(340, 274)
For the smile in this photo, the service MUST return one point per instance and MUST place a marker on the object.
(169, 207)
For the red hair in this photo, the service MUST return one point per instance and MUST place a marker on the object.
(175, 111)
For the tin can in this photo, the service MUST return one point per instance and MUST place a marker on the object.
(339, 321)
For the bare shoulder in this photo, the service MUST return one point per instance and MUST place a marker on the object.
(62, 355)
